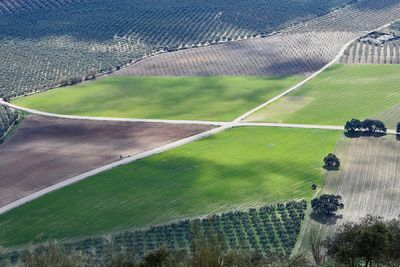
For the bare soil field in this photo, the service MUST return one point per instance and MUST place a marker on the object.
(279, 55)
(45, 151)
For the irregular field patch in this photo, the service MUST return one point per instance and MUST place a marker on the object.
(344, 92)
(45, 151)
(202, 98)
(239, 168)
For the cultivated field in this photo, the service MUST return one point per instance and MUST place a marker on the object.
(236, 169)
(202, 98)
(361, 53)
(271, 228)
(42, 41)
(279, 55)
(361, 16)
(369, 178)
(302, 49)
(45, 151)
(7, 118)
(339, 94)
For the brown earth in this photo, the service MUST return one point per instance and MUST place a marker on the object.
(45, 151)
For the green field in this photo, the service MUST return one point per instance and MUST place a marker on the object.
(191, 98)
(339, 94)
(239, 168)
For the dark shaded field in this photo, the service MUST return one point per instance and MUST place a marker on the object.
(45, 151)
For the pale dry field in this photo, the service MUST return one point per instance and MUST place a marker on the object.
(300, 49)
(369, 179)
(279, 55)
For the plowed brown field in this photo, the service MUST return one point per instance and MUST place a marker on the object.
(45, 151)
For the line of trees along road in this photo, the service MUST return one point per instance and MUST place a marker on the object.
(366, 126)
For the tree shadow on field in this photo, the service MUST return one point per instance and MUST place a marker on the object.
(363, 134)
(324, 219)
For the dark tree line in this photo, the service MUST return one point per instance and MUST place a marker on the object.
(367, 126)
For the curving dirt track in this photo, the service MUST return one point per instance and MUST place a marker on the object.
(45, 151)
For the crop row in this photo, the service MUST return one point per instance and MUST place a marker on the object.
(44, 45)
(273, 228)
(373, 54)
(279, 55)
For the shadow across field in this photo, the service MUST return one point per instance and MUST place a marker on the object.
(239, 168)
(152, 192)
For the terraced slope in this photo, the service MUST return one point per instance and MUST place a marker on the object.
(237, 169)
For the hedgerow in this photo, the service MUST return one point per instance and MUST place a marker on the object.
(7, 118)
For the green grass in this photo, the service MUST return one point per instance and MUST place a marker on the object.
(191, 98)
(344, 92)
(239, 168)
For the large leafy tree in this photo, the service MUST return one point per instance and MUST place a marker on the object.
(327, 205)
(331, 162)
(371, 242)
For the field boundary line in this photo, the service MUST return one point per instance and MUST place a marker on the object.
(110, 166)
(297, 86)
(221, 126)
(92, 118)
(312, 76)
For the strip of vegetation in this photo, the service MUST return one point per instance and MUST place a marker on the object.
(268, 230)
(7, 119)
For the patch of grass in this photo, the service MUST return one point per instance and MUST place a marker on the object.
(191, 98)
(347, 91)
(239, 168)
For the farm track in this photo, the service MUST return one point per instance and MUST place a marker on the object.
(222, 126)
(357, 208)
(45, 151)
